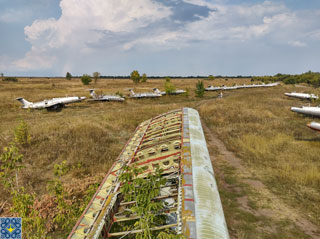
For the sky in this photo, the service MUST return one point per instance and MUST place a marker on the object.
(159, 37)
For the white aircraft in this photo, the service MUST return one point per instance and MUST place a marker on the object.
(157, 91)
(143, 95)
(314, 126)
(302, 95)
(177, 92)
(52, 104)
(235, 87)
(307, 110)
(96, 97)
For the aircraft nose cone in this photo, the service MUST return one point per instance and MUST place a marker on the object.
(295, 109)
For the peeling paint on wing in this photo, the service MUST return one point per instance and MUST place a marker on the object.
(210, 221)
(174, 142)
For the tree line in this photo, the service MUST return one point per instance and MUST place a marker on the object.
(312, 78)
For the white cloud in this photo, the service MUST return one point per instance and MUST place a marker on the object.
(297, 43)
(90, 27)
(83, 22)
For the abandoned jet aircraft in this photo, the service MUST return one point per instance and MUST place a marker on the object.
(235, 87)
(52, 104)
(307, 110)
(143, 95)
(176, 92)
(314, 126)
(302, 95)
(173, 142)
(96, 97)
(157, 91)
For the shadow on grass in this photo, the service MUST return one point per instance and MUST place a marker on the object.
(316, 139)
(77, 107)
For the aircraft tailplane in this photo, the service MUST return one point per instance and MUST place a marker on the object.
(23, 101)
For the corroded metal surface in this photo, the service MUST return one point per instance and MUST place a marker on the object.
(175, 143)
(210, 221)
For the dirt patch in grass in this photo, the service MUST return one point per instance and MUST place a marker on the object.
(256, 203)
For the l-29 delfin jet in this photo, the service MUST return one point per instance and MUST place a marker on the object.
(176, 92)
(143, 95)
(302, 95)
(52, 104)
(96, 97)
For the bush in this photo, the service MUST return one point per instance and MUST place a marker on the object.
(199, 89)
(68, 76)
(210, 77)
(168, 86)
(135, 76)
(61, 169)
(12, 79)
(10, 164)
(86, 79)
(119, 94)
(22, 134)
(144, 77)
(187, 93)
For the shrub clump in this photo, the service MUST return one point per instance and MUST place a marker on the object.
(135, 76)
(168, 86)
(12, 79)
(199, 89)
(22, 134)
(86, 79)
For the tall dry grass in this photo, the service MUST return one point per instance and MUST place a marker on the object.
(273, 141)
(256, 124)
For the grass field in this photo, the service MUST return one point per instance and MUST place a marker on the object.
(267, 162)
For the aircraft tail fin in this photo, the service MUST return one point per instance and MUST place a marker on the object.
(93, 93)
(156, 90)
(24, 102)
(132, 92)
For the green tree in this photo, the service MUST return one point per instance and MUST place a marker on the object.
(187, 93)
(210, 77)
(144, 77)
(135, 76)
(22, 134)
(199, 88)
(168, 86)
(143, 192)
(2, 76)
(96, 76)
(68, 76)
(86, 79)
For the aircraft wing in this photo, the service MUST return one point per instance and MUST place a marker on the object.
(53, 105)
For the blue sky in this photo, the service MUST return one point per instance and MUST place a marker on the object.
(159, 37)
